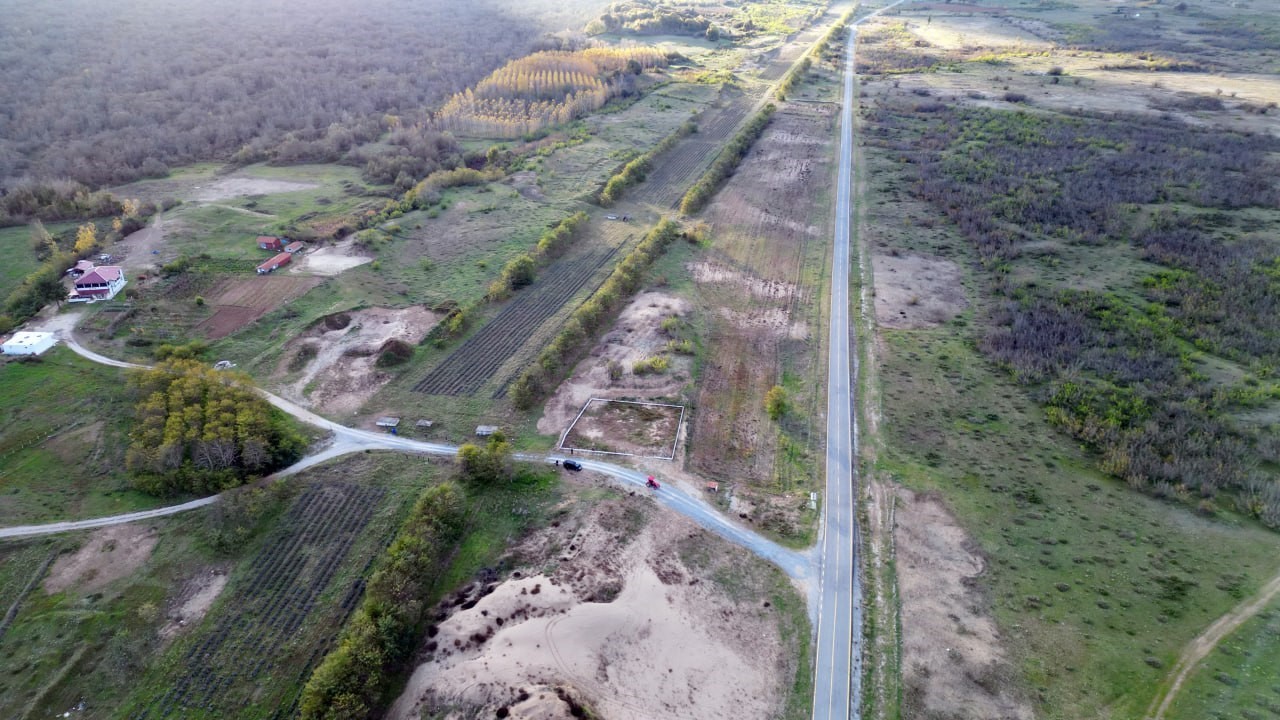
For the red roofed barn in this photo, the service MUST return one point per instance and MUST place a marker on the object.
(266, 242)
(278, 261)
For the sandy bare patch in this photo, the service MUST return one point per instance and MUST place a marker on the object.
(109, 554)
(631, 428)
(622, 624)
(636, 335)
(341, 373)
(232, 187)
(193, 601)
(710, 272)
(331, 260)
(914, 291)
(953, 661)
(977, 31)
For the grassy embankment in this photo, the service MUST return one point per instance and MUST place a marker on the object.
(63, 429)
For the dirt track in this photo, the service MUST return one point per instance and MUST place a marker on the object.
(1199, 648)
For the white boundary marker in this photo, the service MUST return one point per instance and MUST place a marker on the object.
(674, 443)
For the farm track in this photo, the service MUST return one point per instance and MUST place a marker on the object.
(281, 590)
(478, 359)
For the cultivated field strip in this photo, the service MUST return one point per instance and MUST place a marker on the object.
(478, 359)
(676, 170)
(254, 638)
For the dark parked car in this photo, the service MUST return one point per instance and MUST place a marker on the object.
(572, 465)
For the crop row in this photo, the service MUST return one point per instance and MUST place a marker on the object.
(478, 359)
(243, 648)
(673, 173)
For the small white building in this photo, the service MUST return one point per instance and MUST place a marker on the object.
(29, 343)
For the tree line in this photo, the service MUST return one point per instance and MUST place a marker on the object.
(545, 88)
(571, 342)
(726, 162)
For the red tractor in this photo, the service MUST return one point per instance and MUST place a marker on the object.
(651, 483)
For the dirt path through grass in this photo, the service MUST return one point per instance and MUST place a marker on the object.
(1199, 648)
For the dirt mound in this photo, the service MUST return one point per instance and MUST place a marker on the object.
(335, 366)
(623, 626)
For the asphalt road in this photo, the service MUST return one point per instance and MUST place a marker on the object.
(838, 666)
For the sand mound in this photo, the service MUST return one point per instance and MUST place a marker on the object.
(337, 361)
(621, 626)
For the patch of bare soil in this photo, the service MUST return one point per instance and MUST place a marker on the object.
(626, 427)
(526, 183)
(628, 624)
(331, 260)
(636, 335)
(193, 601)
(232, 187)
(109, 554)
(914, 291)
(337, 357)
(953, 660)
(240, 302)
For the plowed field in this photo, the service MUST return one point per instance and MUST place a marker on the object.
(478, 359)
(239, 302)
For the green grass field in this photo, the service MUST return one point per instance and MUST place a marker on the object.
(1237, 680)
(63, 429)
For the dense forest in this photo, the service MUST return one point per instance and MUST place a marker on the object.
(1115, 366)
(106, 92)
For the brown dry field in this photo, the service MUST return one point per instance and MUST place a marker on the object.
(637, 334)
(758, 297)
(237, 303)
(629, 428)
(618, 606)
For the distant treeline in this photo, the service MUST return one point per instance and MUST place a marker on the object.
(104, 93)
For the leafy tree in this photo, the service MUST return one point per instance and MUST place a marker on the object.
(203, 430)
(488, 464)
(776, 402)
(86, 239)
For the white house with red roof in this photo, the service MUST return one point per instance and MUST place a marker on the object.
(100, 283)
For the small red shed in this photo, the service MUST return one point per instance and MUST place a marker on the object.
(274, 263)
(266, 242)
